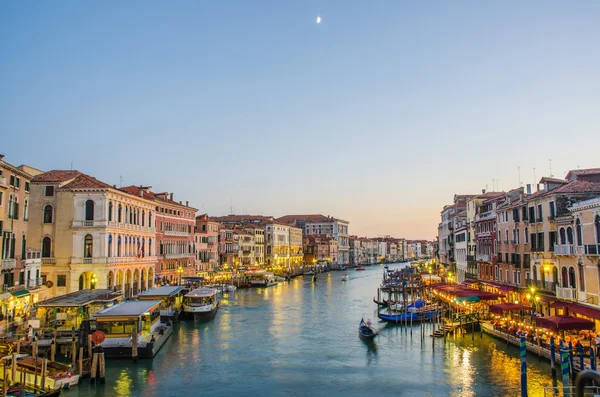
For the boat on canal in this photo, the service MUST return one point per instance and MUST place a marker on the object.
(360, 268)
(29, 368)
(201, 303)
(127, 320)
(261, 279)
(365, 331)
(15, 390)
(171, 298)
(345, 277)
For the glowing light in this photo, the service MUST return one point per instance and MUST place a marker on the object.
(318, 19)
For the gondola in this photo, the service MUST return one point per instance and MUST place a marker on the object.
(365, 331)
(380, 303)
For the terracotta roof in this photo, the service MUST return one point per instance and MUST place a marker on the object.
(241, 218)
(84, 181)
(56, 176)
(145, 192)
(553, 180)
(311, 218)
(574, 187)
(587, 171)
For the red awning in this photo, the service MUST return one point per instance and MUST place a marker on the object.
(508, 307)
(559, 305)
(583, 310)
(558, 323)
(500, 287)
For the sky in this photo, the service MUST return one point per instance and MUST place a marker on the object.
(378, 115)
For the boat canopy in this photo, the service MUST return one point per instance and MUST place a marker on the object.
(201, 293)
(129, 309)
(162, 292)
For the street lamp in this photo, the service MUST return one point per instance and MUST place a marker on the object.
(93, 281)
(179, 273)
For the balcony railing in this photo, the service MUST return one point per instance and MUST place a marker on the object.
(592, 249)
(563, 249)
(470, 258)
(542, 285)
(566, 293)
(130, 226)
(128, 259)
(177, 256)
(176, 233)
(9, 264)
(483, 257)
(90, 223)
(48, 261)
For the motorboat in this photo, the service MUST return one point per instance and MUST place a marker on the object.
(345, 277)
(201, 302)
(360, 268)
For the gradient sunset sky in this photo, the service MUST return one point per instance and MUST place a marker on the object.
(378, 115)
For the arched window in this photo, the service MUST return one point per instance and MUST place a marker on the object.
(88, 246)
(150, 253)
(119, 246)
(119, 213)
(572, 279)
(149, 218)
(110, 211)
(48, 213)
(109, 245)
(143, 217)
(581, 278)
(570, 235)
(597, 227)
(89, 210)
(46, 247)
(578, 231)
(555, 274)
(563, 235)
(564, 277)
(131, 216)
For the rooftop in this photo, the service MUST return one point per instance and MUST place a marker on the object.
(145, 192)
(128, 309)
(202, 292)
(81, 298)
(56, 176)
(161, 291)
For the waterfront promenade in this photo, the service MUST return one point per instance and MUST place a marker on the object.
(300, 339)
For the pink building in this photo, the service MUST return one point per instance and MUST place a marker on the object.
(175, 223)
(206, 240)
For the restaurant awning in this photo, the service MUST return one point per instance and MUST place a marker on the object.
(508, 307)
(559, 323)
(500, 287)
(583, 310)
(20, 293)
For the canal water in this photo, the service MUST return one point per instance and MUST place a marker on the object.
(300, 339)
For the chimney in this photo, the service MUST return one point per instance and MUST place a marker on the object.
(187, 203)
(141, 192)
(1, 156)
(114, 186)
(529, 188)
(171, 196)
(482, 191)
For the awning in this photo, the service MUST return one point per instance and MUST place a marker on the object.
(583, 310)
(508, 307)
(559, 305)
(500, 287)
(5, 296)
(20, 293)
(558, 323)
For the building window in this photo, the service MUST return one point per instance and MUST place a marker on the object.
(49, 191)
(578, 231)
(27, 186)
(564, 277)
(572, 280)
(110, 211)
(552, 210)
(109, 254)
(61, 280)
(48, 213)
(89, 210)
(46, 247)
(119, 212)
(562, 235)
(88, 246)
(25, 215)
(581, 278)
(0, 198)
(23, 245)
(119, 246)
(12, 180)
(596, 225)
(570, 235)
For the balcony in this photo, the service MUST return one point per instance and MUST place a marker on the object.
(471, 258)
(592, 249)
(177, 256)
(547, 286)
(175, 233)
(563, 249)
(484, 234)
(34, 283)
(90, 224)
(130, 226)
(566, 293)
(48, 261)
(9, 264)
(471, 276)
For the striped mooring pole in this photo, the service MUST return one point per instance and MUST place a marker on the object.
(523, 354)
(592, 358)
(580, 351)
(564, 365)
(552, 357)
(571, 360)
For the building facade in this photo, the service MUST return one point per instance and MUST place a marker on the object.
(206, 238)
(91, 234)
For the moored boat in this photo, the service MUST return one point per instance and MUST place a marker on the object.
(29, 368)
(201, 303)
(15, 390)
(360, 268)
(365, 331)
(261, 279)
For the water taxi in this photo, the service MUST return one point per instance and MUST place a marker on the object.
(29, 368)
(261, 279)
(201, 303)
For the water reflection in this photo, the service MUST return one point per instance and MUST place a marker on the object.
(299, 338)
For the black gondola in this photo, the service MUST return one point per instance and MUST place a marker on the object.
(381, 303)
(365, 331)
